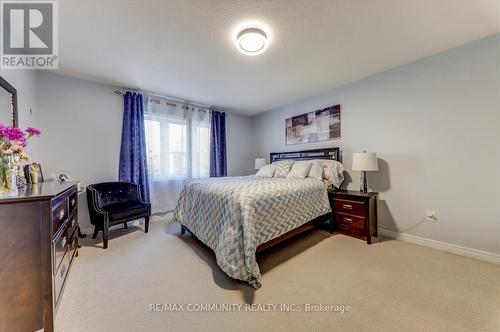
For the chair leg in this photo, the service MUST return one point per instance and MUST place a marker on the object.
(105, 236)
(96, 231)
(125, 225)
(147, 224)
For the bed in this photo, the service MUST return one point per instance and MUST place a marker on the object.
(239, 216)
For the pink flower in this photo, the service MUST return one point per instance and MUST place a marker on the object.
(33, 131)
(12, 134)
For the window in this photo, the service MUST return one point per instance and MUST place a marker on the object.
(177, 140)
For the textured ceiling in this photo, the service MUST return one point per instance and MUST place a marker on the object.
(185, 49)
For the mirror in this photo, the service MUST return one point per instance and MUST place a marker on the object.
(8, 104)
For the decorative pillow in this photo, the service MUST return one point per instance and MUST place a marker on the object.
(333, 171)
(282, 168)
(267, 171)
(300, 169)
(316, 170)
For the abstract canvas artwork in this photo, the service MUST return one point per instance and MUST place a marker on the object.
(316, 126)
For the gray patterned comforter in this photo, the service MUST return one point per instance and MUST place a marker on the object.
(234, 215)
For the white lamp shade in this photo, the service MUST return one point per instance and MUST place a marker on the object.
(260, 162)
(364, 161)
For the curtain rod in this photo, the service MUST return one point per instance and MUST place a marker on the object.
(176, 101)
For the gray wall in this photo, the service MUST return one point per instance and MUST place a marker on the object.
(239, 140)
(435, 126)
(81, 123)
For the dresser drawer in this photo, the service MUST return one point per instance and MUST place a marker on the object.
(59, 247)
(59, 214)
(60, 276)
(61, 243)
(349, 222)
(73, 202)
(72, 225)
(350, 207)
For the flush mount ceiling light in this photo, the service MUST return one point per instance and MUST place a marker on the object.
(252, 41)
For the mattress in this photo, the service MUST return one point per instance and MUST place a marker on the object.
(234, 215)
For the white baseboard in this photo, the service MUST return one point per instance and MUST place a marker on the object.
(448, 247)
(87, 230)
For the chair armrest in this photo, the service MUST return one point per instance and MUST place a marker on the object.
(137, 192)
(94, 201)
(139, 197)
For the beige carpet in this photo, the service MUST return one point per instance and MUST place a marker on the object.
(390, 286)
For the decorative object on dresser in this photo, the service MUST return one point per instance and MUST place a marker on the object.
(13, 142)
(315, 126)
(364, 162)
(39, 243)
(355, 213)
(33, 173)
(20, 178)
(113, 203)
(62, 176)
(259, 163)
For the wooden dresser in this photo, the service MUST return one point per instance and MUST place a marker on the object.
(355, 213)
(38, 243)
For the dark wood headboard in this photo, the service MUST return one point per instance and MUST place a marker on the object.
(328, 153)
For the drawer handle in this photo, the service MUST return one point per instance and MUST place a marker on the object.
(73, 201)
(61, 214)
(348, 220)
(347, 206)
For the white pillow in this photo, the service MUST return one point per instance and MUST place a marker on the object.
(300, 169)
(267, 171)
(333, 171)
(316, 170)
(282, 168)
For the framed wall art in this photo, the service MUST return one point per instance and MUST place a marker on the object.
(316, 126)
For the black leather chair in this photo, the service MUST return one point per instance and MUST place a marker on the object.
(112, 203)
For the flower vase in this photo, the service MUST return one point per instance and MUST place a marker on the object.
(8, 176)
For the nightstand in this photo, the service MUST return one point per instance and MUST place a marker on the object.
(355, 213)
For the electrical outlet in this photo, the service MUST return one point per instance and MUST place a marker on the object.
(431, 215)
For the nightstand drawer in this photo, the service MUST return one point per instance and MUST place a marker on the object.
(351, 207)
(349, 222)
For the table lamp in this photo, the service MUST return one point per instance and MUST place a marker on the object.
(260, 162)
(364, 162)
